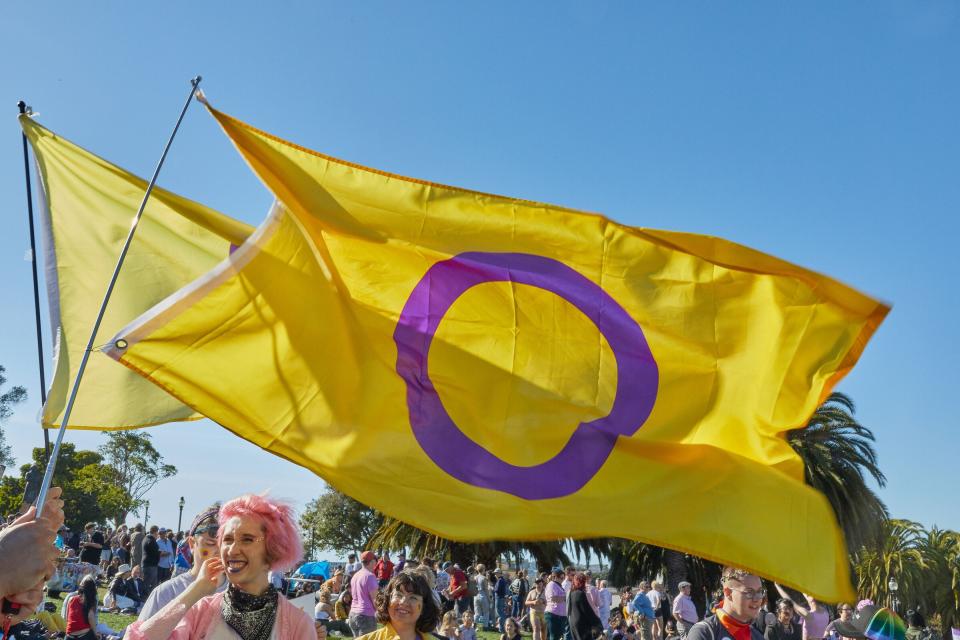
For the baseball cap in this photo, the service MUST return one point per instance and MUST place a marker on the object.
(873, 622)
(124, 568)
(162, 530)
(446, 565)
(367, 556)
(684, 584)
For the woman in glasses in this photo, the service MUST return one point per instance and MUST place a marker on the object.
(256, 534)
(406, 608)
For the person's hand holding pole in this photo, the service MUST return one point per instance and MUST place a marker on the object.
(29, 555)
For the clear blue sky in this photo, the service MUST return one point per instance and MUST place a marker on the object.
(825, 133)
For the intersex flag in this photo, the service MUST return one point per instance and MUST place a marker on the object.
(89, 204)
(485, 367)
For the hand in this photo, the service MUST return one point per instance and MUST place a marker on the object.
(28, 600)
(27, 547)
(209, 579)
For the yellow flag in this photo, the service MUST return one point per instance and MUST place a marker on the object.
(88, 206)
(491, 368)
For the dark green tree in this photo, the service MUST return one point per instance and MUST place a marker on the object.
(88, 491)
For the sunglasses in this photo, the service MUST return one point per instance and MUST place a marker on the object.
(209, 529)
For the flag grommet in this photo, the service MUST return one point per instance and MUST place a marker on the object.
(120, 344)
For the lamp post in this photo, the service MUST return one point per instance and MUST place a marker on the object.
(146, 515)
(180, 519)
(893, 586)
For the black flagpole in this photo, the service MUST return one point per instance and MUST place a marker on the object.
(36, 287)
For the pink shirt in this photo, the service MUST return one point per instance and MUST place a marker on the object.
(176, 622)
(554, 590)
(362, 584)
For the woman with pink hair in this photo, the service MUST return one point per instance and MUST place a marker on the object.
(256, 534)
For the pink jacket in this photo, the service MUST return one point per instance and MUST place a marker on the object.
(173, 623)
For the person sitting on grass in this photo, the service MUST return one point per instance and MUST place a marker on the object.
(511, 630)
(448, 628)
(116, 597)
(82, 611)
(467, 630)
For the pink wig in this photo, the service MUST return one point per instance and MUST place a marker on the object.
(281, 536)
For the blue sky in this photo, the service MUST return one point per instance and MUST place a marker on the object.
(824, 133)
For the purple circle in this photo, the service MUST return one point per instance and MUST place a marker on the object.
(591, 442)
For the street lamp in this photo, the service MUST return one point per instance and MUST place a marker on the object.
(893, 586)
(146, 515)
(180, 519)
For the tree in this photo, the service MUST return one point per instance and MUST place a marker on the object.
(338, 522)
(136, 468)
(88, 491)
(941, 591)
(838, 454)
(898, 555)
(14, 396)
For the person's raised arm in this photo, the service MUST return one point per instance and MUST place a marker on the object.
(799, 608)
(164, 624)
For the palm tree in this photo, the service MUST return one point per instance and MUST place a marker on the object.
(941, 553)
(899, 555)
(838, 455)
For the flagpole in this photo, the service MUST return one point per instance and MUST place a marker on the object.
(36, 287)
(52, 462)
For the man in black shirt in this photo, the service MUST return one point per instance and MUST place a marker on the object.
(91, 545)
(151, 559)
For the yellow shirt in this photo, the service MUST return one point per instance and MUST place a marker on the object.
(387, 632)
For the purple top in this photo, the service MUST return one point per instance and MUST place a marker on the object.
(815, 624)
(362, 584)
(554, 590)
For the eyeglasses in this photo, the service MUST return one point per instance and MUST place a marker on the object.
(403, 596)
(243, 541)
(751, 594)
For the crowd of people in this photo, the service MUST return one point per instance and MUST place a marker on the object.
(226, 577)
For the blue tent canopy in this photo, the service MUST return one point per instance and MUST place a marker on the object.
(314, 569)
